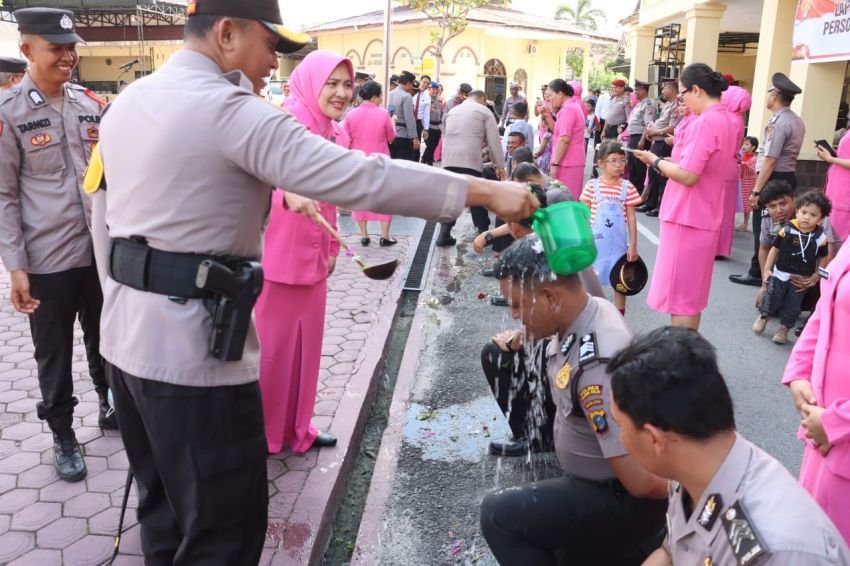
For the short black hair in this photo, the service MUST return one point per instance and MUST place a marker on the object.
(590, 101)
(669, 378)
(423, 77)
(609, 148)
(817, 198)
(540, 193)
(517, 133)
(521, 108)
(198, 26)
(775, 189)
(477, 94)
(754, 141)
(524, 260)
(524, 171)
(370, 89)
(522, 155)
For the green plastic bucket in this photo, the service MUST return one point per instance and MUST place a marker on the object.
(564, 230)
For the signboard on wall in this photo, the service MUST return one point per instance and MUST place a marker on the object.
(822, 31)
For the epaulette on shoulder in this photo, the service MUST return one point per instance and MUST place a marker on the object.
(747, 545)
(101, 102)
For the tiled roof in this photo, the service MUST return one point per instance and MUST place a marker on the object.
(490, 16)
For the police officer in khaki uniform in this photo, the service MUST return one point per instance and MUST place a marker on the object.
(778, 153)
(665, 125)
(729, 501)
(618, 109)
(12, 72)
(47, 129)
(641, 117)
(186, 196)
(603, 493)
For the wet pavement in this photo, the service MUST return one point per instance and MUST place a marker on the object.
(46, 521)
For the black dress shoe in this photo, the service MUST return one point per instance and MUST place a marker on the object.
(68, 461)
(511, 447)
(653, 213)
(385, 242)
(641, 208)
(365, 241)
(324, 440)
(445, 242)
(498, 301)
(746, 279)
(720, 258)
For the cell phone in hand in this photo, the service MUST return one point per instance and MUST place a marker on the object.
(823, 144)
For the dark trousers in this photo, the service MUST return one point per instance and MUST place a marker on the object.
(431, 146)
(755, 269)
(516, 388)
(657, 181)
(199, 458)
(611, 131)
(402, 148)
(65, 296)
(637, 168)
(782, 298)
(571, 521)
(480, 216)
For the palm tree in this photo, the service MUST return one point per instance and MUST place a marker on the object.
(583, 14)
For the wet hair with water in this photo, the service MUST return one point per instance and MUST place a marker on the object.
(669, 379)
(524, 261)
(816, 198)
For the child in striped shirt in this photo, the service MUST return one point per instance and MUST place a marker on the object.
(612, 201)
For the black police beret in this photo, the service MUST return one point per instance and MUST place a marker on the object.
(56, 26)
(12, 65)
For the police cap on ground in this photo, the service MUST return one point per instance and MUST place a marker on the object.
(267, 12)
(12, 65)
(783, 84)
(51, 24)
(629, 277)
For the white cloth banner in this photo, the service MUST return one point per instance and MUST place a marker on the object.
(822, 31)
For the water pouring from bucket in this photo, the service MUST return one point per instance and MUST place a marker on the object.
(565, 232)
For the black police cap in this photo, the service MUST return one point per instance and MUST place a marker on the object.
(629, 277)
(54, 25)
(267, 12)
(12, 65)
(782, 83)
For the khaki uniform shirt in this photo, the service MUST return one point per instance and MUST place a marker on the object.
(467, 128)
(752, 512)
(191, 156)
(618, 110)
(44, 213)
(668, 118)
(642, 116)
(405, 125)
(586, 440)
(783, 139)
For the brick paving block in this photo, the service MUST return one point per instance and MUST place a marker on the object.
(85, 408)
(335, 381)
(20, 462)
(38, 443)
(14, 544)
(61, 491)
(61, 533)
(8, 482)
(17, 357)
(5, 523)
(291, 482)
(86, 505)
(24, 405)
(36, 516)
(131, 541)
(358, 335)
(17, 499)
(39, 556)
(96, 464)
(280, 506)
(326, 407)
(25, 383)
(18, 340)
(331, 393)
(107, 481)
(92, 549)
(106, 522)
(117, 498)
(275, 468)
(326, 362)
(5, 385)
(126, 560)
(332, 331)
(344, 368)
(353, 345)
(333, 340)
(7, 447)
(86, 434)
(29, 364)
(118, 461)
(322, 422)
(20, 326)
(337, 323)
(302, 462)
(38, 477)
(7, 419)
(21, 431)
(347, 356)
(104, 446)
(90, 420)
(12, 395)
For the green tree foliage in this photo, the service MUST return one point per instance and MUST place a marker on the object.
(450, 18)
(583, 14)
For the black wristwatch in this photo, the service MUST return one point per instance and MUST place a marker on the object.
(488, 237)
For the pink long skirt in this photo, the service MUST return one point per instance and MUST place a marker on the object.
(681, 279)
(572, 178)
(359, 216)
(727, 226)
(830, 490)
(290, 325)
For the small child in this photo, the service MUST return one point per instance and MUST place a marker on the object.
(799, 249)
(519, 115)
(591, 123)
(747, 176)
(612, 201)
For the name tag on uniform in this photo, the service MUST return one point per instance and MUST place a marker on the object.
(823, 273)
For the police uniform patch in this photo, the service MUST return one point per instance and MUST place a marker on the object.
(587, 351)
(563, 377)
(598, 421)
(41, 139)
(71, 94)
(93, 132)
(592, 403)
(710, 511)
(590, 390)
(746, 544)
(568, 344)
(36, 97)
(66, 22)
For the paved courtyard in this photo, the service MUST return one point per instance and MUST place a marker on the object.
(46, 521)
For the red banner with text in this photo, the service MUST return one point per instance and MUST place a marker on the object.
(822, 31)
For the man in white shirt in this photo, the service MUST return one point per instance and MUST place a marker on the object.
(422, 106)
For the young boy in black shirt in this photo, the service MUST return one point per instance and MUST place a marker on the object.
(800, 248)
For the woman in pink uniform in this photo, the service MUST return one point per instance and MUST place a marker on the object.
(298, 257)
(693, 199)
(737, 101)
(838, 187)
(820, 386)
(371, 130)
(568, 156)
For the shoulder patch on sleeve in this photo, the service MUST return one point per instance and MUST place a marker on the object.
(101, 102)
(747, 545)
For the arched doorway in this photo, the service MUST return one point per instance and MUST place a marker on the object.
(495, 82)
(521, 77)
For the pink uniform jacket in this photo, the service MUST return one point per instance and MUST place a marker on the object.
(360, 125)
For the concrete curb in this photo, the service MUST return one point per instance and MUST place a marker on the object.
(309, 526)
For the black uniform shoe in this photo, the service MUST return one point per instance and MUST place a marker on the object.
(324, 440)
(498, 301)
(653, 213)
(365, 241)
(384, 242)
(445, 242)
(69, 461)
(106, 419)
(511, 447)
(746, 279)
(642, 208)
